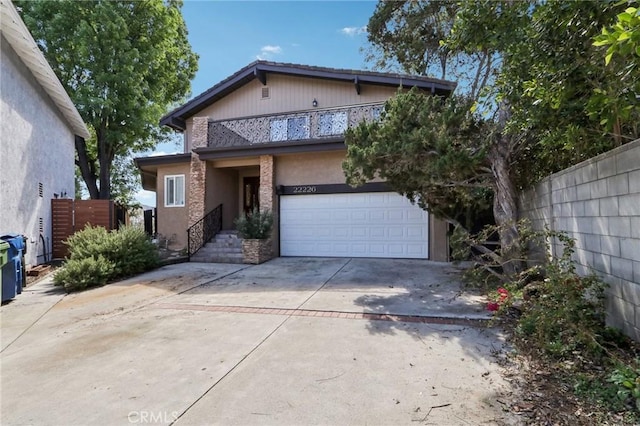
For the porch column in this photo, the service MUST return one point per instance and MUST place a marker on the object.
(266, 196)
(266, 183)
(197, 178)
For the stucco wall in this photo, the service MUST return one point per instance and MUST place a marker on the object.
(310, 169)
(173, 221)
(597, 202)
(37, 146)
(221, 188)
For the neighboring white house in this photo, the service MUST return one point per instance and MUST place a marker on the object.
(38, 127)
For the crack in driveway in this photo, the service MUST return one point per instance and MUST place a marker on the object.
(258, 345)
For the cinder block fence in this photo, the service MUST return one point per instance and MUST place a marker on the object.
(597, 202)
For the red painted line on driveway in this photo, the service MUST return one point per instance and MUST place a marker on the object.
(324, 314)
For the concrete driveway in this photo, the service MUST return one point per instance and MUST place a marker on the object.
(294, 341)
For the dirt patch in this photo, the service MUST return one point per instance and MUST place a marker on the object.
(39, 272)
(545, 393)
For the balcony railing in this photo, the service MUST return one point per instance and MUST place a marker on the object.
(312, 124)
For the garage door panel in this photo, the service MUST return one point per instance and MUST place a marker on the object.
(359, 233)
(415, 233)
(352, 225)
(376, 215)
(414, 249)
(377, 232)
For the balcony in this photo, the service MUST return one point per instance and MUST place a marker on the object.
(303, 125)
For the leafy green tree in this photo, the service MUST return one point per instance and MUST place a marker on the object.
(430, 150)
(123, 63)
(550, 76)
(408, 35)
(396, 29)
(543, 111)
(617, 102)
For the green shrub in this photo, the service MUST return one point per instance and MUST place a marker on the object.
(626, 378)
(564, 313)
(79, 274)
(90, 242)
(131, 250)
(256, 225)
(98, 256)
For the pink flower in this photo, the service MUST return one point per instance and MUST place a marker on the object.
(503, 292)
(493, 306)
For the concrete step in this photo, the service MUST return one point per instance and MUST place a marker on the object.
(217, 258)
(225, 247)
(227, 235)
(220, 250)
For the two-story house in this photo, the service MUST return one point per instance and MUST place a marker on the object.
(271, 136)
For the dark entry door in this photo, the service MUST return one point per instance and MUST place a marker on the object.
(250, 196)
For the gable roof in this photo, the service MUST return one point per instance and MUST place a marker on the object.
(260, 70)
(18, 36)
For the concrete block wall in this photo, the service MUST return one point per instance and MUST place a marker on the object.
(597, 202)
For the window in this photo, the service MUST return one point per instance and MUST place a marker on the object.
(174, 191)
(376, 113)
(290, 129)
(334, 123)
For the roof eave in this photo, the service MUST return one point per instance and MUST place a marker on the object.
(259, 70)
(159, 160)
(271, 148)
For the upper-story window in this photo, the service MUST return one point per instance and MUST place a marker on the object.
(333, 123)
(290, 129)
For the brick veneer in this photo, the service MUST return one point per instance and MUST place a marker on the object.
(256, 251)
(197, 186)
(267, 184)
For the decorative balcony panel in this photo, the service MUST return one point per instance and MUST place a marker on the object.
(299, 126)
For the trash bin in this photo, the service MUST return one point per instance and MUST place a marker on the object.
(4, 256)
(13, 275)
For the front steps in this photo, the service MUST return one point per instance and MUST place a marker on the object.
(226, 247)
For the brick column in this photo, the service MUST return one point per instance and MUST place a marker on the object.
(266, 182)
(198, 174)
(267, 187)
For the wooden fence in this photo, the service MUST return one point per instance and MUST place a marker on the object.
(69, 216)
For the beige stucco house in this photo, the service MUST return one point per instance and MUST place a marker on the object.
(271, 136)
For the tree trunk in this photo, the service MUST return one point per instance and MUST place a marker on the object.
(505, 201)
(86, 169)
(105, 177)
(104, 161)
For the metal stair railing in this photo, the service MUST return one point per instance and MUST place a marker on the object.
(201, 232)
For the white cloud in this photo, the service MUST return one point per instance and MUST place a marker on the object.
(268, 51)
(159, 153)
(354, 31)
(147, 198)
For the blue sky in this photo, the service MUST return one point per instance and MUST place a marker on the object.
(228, 35)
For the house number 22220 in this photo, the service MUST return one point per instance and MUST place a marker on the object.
(304, 189)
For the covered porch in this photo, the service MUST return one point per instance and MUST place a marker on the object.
(221, 190)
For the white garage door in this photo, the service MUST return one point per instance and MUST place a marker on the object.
(372, 224)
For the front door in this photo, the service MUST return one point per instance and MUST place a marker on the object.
(250, 194)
